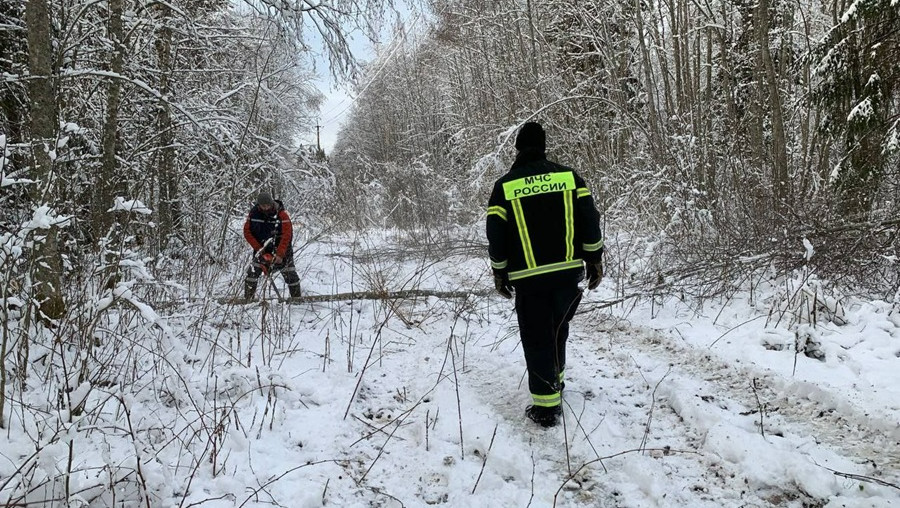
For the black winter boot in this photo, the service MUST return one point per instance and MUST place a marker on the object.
(543, 415)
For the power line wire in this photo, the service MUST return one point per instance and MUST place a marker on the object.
(396, 45)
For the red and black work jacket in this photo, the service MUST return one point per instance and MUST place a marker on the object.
(261, 226)
(542, 224)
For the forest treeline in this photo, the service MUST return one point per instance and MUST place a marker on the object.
(730, 135)
(133, 128)
(735, 133)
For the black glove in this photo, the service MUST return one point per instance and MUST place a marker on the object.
(594, 274)
(501, 282)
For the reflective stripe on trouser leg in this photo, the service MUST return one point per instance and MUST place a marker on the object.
(289, 272)
(254, 270)
(551, 400)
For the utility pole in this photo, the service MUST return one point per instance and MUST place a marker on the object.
(318, 142)
(320, 155)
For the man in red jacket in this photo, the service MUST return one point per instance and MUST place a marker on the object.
(269, 232)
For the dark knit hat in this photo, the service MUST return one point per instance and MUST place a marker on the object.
(531, 136)
(264, 198)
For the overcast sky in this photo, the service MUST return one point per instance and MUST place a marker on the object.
(332, 114)
(338, 97)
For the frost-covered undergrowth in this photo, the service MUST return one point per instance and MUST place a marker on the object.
(413, 403)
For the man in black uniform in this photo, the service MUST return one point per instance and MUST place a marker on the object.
(269, 232)
(542, 228)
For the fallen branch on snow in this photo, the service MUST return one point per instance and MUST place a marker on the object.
(365, 295)
(863, 478)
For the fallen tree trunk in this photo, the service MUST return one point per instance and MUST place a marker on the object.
(363, 295)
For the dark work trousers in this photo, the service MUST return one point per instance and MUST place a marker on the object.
(544, 327)
(287, 269)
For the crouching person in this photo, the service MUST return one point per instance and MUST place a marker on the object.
(269, 232)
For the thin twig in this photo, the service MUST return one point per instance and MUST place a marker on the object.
(376, 429)
(652, 405)
(533, 467)
(361, 374)
(462, 451)
(864, 478)
(383, 447)
(733, 328)
(484, 461)
(274, 479)
(601, 459)
(762, 409)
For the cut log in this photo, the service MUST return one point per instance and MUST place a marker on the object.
(363, 295)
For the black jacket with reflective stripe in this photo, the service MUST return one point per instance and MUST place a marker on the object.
(260, 226)
(541, 224)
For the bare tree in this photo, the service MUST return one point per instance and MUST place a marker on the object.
(167, 201)
(47, 262)
(780, 181)
(108, 178)
(689, 117)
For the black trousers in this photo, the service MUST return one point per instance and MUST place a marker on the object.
(544, 328)
(287, 269)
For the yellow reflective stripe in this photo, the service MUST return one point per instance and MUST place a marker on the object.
(553, 267)
(562, 375)
(538, 184)
(499, 211)
(499, 265)
(523, 234)
(570, 225)
(592, 247)
(546, 400)
(583, 191)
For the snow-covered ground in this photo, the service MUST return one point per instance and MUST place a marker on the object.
(414, 403)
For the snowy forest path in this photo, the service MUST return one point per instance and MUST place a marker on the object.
(435, 389)
(618, 443)
(787, 405)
